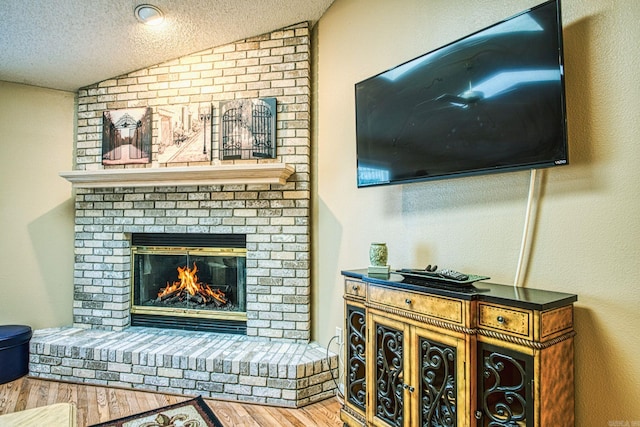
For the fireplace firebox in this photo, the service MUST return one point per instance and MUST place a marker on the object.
(184, 281)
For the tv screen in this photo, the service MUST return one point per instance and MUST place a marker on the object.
(492, 101)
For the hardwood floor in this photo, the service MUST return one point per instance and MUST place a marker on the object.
(97, 404)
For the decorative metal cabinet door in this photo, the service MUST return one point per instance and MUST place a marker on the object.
(387, 371)
(355, 379)
(439, 360)
(505, 381)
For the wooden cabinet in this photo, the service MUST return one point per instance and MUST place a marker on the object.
(483, 356)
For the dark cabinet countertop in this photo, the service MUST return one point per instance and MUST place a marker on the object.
(528, 298)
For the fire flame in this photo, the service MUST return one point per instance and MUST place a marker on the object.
(188, 282)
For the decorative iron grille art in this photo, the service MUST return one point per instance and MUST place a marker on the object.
(389, 375)
(356, 345)
(248, 129)
(506, 381)
(438, 388)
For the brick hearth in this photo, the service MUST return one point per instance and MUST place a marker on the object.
(221, 366)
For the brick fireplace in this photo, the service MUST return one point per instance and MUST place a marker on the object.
(274, 362)
(274, 218)
(277, 240)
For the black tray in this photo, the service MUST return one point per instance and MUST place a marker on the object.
(427, 277)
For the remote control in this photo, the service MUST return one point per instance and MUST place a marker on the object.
(451, 274)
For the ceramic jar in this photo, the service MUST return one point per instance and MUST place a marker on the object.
(378, 254)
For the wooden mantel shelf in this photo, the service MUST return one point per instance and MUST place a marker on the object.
(262, 173)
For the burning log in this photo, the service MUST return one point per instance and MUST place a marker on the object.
(174, 299)
(190, 289)
(217, 295)
(168, 295)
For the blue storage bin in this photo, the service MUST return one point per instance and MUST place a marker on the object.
(14, 352)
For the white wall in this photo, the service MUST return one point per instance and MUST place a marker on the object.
(36, 209)
(587, 236)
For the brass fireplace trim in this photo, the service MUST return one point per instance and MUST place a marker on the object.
(186, 312)
(173, 250)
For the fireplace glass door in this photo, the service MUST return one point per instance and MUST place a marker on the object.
(187, 285)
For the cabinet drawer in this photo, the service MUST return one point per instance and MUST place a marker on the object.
(355, 289)
(427, 305)
(509, 320)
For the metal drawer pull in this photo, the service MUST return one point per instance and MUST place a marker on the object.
(500, 319)
(355, 288)
(408, 301)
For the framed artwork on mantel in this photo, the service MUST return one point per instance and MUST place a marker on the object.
(126, 136)
(248, 129)
(185, 133)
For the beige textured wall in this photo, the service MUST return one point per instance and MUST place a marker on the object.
(587, 236)
(588, 224)
(36, 209)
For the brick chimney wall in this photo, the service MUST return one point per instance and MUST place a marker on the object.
(275, 218)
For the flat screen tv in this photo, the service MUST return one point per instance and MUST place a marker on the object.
(492, 101)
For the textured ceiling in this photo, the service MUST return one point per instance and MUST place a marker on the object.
(68, 44)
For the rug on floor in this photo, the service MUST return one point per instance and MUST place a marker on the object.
(191, 413)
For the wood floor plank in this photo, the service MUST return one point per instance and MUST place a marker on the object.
(9, 399)
(83, 410)
(118, 404)
(21, 398)
(288, 419)
(328, 410)
(131, 407)
(52, 395)
(231, 414)
(38, 395)
(102, 404)
(262, 417)
(68, 393)
(95, 404)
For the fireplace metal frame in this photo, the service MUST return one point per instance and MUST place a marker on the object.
(184, 312)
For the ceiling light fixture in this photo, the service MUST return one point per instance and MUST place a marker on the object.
(149, 15)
